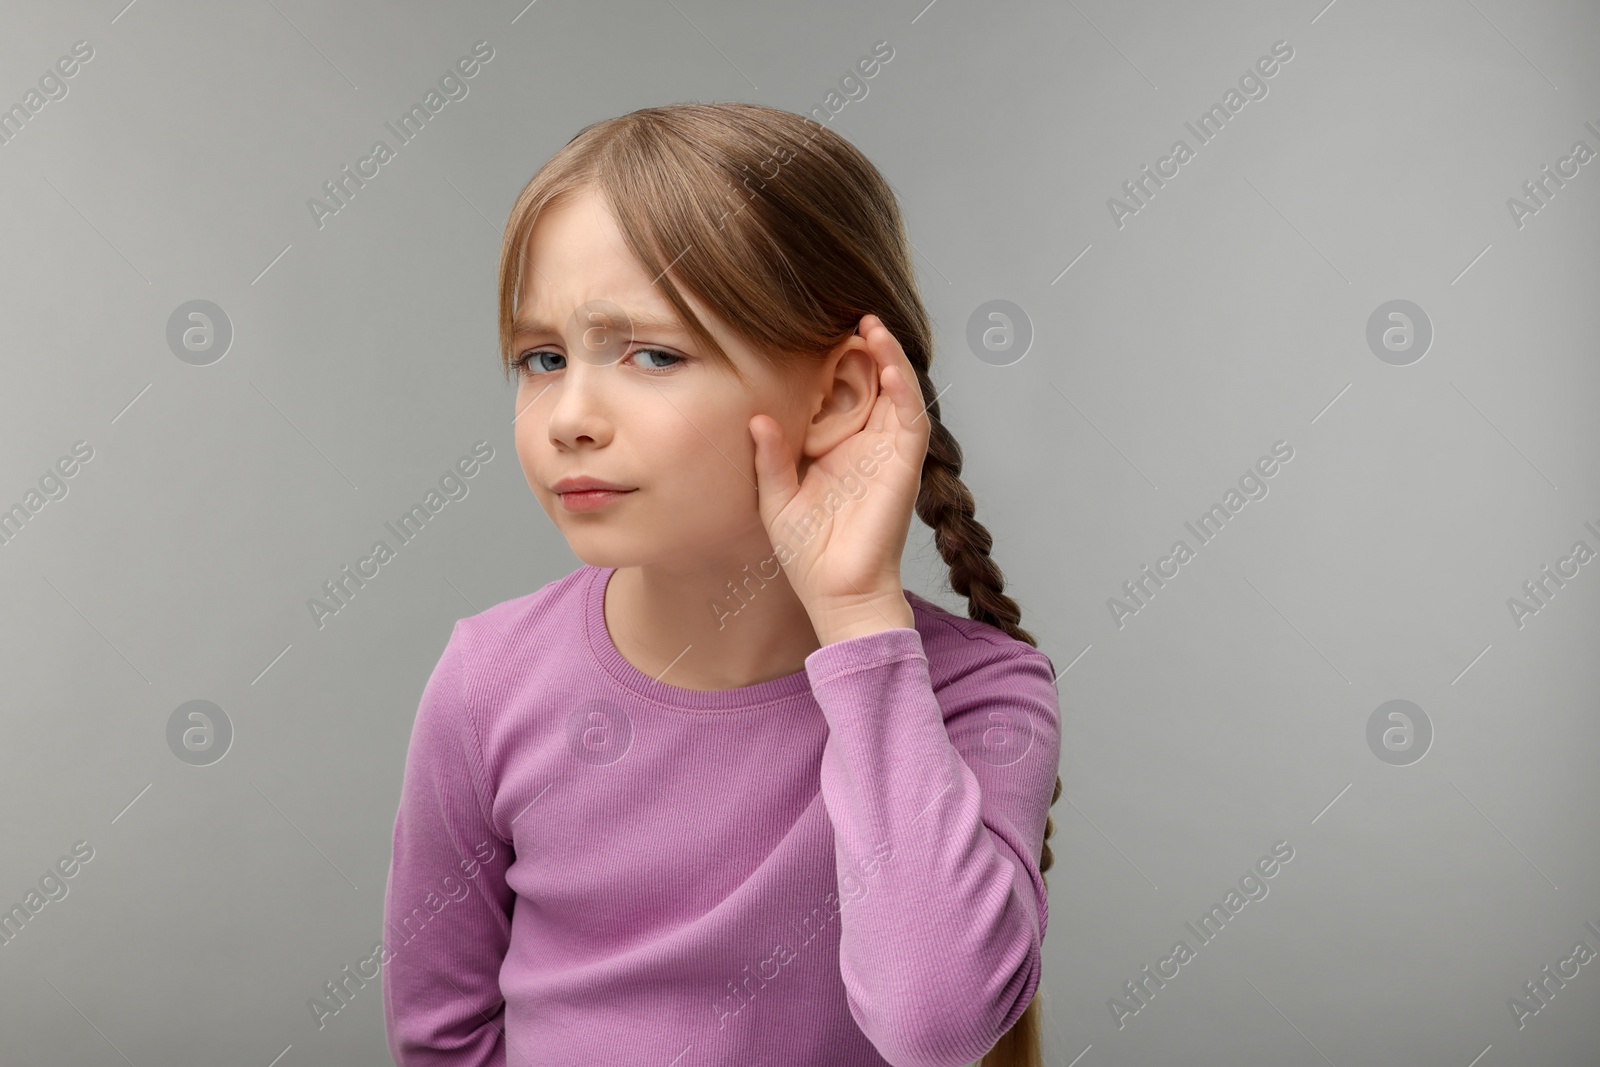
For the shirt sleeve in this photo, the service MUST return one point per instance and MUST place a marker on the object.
(938, 804)
(446, 908)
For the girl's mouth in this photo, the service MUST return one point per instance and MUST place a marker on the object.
(592, 499)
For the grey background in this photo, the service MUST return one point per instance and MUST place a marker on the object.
(1228, 314)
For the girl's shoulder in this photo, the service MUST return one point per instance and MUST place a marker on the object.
(947, 636)
(979, 671)
(548, 618)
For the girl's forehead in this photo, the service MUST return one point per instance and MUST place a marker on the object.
(577, 267)
(558, 295)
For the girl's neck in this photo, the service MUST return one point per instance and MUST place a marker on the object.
(753, 633)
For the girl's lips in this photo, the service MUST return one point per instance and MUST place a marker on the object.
(591, 499)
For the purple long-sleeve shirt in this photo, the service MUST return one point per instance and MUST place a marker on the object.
(835, 867)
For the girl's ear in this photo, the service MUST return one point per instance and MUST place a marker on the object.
(846, 390)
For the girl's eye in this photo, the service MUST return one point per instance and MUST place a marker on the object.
(658, 352)
(531, 364)
(528, 363)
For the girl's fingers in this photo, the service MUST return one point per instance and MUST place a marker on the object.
(911, 396)
(888, 354)
(899, 384)
(892, 391)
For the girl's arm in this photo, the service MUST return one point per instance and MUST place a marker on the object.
(938, 815)
(447, 908)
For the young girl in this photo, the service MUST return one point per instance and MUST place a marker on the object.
(727, 793)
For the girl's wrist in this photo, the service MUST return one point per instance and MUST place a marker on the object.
(863, 615)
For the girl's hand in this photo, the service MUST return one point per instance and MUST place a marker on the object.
(840, 534)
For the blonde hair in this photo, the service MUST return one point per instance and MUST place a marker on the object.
(789, 235)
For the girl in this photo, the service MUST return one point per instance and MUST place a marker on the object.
(727, 793)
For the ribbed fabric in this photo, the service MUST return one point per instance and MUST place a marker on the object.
(836, 867)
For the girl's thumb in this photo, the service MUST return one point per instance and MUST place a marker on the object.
(774, 474)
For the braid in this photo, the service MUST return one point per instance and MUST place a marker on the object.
(945, 504)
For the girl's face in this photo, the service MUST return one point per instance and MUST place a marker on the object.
(612, 388)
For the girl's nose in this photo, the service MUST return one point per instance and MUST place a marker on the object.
(577, 412)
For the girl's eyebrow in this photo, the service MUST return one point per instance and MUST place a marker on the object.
(530, 324)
